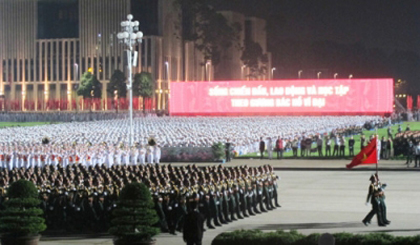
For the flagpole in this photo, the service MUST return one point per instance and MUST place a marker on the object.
(377, 158)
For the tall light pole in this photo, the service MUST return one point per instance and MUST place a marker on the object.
(129, 35)
(208, 63)
(167, 84)
(242, 72)
(272, 72)
(335, 75)
(75, 78)
(318, 74)
(299, 73)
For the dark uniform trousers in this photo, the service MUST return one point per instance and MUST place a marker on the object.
(225, 203)
(375, 210)
(214, 210)
(328, 150)
(243, 201)
(238, 205)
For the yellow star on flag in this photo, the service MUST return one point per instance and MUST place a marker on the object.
(364, 157)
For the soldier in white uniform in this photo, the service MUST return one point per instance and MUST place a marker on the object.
(135, 158)
(150, 154)
(157, 154)
(142, 156)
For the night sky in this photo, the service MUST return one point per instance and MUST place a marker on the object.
(380, 24)
(387, 24)
(368, 38)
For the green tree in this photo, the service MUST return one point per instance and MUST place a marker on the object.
(117, 82)
(210, 31)
(254, 58)
(22, 216)
(144, 86)
(90, 87)
(135, 216)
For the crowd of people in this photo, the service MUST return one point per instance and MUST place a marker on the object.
(407, 143)
(80, 198)
(106, 142)
(327, 144)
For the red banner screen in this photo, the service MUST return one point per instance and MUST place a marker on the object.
(284, 97)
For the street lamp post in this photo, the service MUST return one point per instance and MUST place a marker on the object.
(242, 72)
(167, 85)
(335, 75)
(272, 72)
(116, 100)
(207, 71)
(129, 35)
(75, 78)
(299, 73)
(318, 74)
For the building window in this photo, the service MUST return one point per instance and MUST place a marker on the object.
(37, 77)
(15, 71)
(248, 30)
(27, 70)
(4, 71)
(32, 68)
(58, 19)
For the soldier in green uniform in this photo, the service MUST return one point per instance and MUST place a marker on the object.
(181, 211)
(219, 202)
(274, 179)
(382, 205)
(250, 196)
(374, 199)
(237, 198)
(214, 211)
(232, 200)
(226, 200)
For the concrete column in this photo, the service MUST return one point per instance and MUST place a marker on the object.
(35, 91)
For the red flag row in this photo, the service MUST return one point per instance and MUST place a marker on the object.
(410, 102)
(84, 104)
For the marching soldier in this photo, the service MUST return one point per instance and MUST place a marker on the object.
(374, 198)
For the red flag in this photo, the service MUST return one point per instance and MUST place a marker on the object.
(367, 155)
(418, 101)
(409, 102)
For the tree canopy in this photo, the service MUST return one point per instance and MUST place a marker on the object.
(117, 82)
(135, 216)
(254, 58)
(208, 29)
(143, 85)
(22, 215)
(90, 87)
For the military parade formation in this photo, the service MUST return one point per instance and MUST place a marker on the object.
(80, 198)
(104, 142)
(243, 132)
(79, 182)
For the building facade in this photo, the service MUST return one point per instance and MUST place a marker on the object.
(46, 45)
